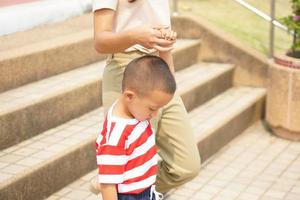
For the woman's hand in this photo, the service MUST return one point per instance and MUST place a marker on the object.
(159, 39)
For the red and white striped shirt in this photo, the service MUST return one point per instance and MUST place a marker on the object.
(126, 154)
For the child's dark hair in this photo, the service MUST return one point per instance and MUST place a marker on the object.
(148, 73)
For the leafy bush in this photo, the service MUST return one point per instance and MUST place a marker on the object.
(293, 24)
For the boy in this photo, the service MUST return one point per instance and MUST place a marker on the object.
(126, 151)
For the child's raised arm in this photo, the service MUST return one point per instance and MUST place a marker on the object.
(169, 35)
(167, 57)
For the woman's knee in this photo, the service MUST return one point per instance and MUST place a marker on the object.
(187, 171)
(192, 170)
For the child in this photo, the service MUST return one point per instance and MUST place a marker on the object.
(126, 151)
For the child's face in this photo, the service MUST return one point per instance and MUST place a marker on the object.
(144, 108)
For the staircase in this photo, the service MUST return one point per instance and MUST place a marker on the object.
(50, 114)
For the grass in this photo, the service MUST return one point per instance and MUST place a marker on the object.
(240, 22)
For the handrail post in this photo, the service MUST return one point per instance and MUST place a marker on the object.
(175, 8)
(271, 39)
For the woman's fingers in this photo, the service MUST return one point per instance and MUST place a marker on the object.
(156, 32)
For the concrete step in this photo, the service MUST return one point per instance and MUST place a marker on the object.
(226, 116)
(206, 120)
(39, 166)
(36, 107)
(203, 81)
(36, 54)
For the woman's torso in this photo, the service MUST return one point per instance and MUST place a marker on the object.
(153, 13)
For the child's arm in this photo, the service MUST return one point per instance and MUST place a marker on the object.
(108, 191)
(167, 57)
(169, 35)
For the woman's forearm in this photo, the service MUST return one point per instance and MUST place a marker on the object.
(109, 42)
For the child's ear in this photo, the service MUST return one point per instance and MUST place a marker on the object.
(129, 95)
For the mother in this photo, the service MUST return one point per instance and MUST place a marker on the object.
(126, 29)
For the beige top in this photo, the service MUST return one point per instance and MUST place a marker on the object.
(154, 13)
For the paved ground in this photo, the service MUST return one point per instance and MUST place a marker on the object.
(256, 165)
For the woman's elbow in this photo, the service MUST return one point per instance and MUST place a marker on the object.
(98, 47)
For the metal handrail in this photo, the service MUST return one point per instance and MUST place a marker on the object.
(175, 8)
(271, 40)
(262, 14)
(256, 11)
(270, 19)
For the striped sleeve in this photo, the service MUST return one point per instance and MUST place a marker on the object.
(111, 161)
(99, 4)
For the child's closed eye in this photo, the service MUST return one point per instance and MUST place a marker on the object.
(152, 109)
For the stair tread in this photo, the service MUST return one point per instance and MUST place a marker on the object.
(46, 88)
(199, 118)
(40, 149)
(46, 32)
(204, 72)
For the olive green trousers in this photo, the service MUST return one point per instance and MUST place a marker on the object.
(174, 136)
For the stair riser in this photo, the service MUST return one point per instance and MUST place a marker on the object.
(32, 120)
(186, 57)
(26, 122)
(204, 92)
(68, 172)
(40, 64)
(223, 135)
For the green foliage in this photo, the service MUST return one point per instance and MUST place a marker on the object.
(293, 24)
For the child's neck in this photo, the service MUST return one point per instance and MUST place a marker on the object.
(120, 110)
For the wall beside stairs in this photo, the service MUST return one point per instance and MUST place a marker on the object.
(218, 46)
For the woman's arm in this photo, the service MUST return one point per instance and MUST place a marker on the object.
(109, 192)
(106, 41)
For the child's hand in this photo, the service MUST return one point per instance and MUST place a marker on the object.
(168, 34)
